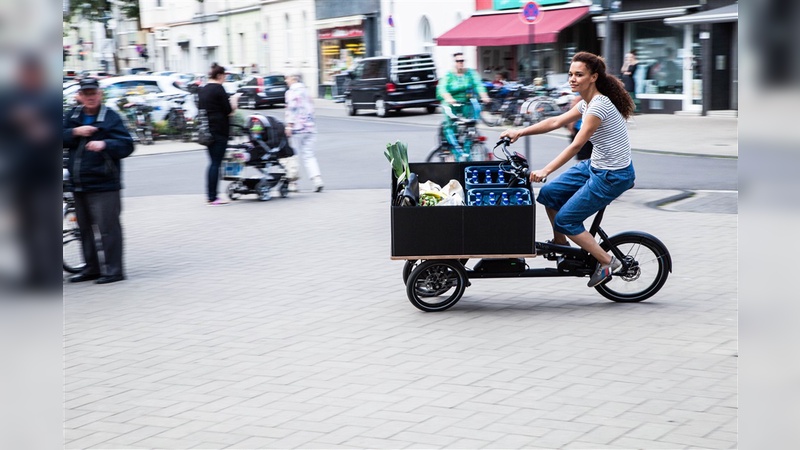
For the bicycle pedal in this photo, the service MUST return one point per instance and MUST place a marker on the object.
(566, 264)
(551, 256)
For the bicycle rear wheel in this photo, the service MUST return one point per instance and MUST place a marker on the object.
(441, 153)
(647, 263)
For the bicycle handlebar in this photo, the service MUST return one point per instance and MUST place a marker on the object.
(519, 165)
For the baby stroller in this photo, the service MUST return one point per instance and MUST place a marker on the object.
(265, 146)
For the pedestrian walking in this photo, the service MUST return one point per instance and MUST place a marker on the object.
(589, 185)
(301, 128)
(628, 73)
(97, 141)
(214, 100)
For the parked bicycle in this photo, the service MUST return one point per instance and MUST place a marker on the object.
(72, 256)
(471, 145)
(138, 118)
(506, 106)
(177, 121)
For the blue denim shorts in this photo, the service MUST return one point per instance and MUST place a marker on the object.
(581, 191)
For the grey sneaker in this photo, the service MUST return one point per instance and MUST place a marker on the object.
(603, 272)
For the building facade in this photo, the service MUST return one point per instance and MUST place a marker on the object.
(687, 51)
(245, 36)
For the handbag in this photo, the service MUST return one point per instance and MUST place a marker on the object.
(204, 136)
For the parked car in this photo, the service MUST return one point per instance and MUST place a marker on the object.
(136, 71)
(392, 83)
(231, 83)
(70, 75)
(258, 91)
(157, 90)
(197, 82)
(164, 73)
(99, 74)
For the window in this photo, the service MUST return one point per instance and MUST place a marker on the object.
(426, 34)
(288, 36)
(359, 71)
(375, 69)
(659, 49)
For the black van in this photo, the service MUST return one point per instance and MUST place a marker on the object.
(392, 83)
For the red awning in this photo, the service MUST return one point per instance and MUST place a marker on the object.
(510, 29)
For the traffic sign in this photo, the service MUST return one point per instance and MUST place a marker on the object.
(531, 13)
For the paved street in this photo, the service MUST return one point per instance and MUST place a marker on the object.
(286, 325)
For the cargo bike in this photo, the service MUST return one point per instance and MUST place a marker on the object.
(496, 227)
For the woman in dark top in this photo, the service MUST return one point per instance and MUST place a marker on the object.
(213, 98)
(628, 71)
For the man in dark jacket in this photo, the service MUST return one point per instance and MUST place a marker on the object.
(97, 140)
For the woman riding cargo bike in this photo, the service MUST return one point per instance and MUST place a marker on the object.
(592, 184)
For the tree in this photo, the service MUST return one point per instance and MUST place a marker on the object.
(101, 11)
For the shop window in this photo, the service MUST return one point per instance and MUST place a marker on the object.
(659, 48)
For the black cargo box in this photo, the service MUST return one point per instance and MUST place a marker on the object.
(445, 232)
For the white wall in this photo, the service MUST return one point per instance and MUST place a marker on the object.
(442, 16)
(286, 49)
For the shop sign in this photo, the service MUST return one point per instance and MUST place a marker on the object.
(341, 33)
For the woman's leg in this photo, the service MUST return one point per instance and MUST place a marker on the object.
(601, 189)
(555, 194)
(215, 153)
(558, 238)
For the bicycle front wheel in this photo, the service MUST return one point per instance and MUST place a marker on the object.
(479, 152)
(73, 255)
(492, 115)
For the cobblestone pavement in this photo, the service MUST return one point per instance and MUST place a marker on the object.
(285, 324)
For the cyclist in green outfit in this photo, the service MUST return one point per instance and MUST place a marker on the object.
(459, 87)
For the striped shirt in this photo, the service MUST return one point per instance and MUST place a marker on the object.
(612, 149)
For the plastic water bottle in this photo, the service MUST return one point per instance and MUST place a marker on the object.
(474, 176)
(501, 178)
(478, 199)
(488, 176)
(519, 197)
(492, 198)
(504, 200)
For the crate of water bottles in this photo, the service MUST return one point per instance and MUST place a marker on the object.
(484, 177)
(498, 197)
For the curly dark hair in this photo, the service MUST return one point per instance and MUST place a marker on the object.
(608, 85)
(216, 70)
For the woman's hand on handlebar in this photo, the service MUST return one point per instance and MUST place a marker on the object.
(511, 134)
(538, 176)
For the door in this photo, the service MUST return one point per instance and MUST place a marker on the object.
(721, 66)
(374, 80)
(356, 85)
